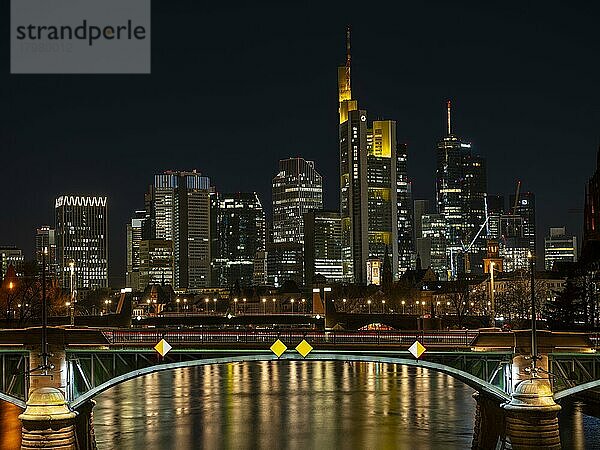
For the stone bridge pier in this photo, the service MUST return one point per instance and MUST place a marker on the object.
(528, 421)
(48, 422)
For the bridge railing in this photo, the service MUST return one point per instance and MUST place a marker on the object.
(595, 338)
(445, 338)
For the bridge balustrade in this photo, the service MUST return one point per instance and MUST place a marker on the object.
(448, 338)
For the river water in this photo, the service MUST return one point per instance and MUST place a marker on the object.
(295, 405)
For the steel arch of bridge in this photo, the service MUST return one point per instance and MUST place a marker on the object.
(84, 387)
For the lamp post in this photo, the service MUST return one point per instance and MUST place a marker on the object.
(369, 303)
(292, 302)
(235, 300)
(244, 300)
(214, 305)
(206, 307)
(534, 355)
(344, 301)
(274, 305)
(403, 306)
(264, 300)
(304, 305)
(45, 366)
(177, 301)
(383, 306)
(325, 291)
(492, 304)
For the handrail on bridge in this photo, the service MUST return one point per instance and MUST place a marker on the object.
(454, 338)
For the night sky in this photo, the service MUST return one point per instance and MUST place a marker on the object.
(234, 90)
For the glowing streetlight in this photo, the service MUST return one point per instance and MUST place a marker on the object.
(292, 302)
(369, 303)
(264, 300)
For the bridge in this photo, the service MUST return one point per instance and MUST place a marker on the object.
(88, 361)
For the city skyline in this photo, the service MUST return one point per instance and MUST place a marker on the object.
(469, 117)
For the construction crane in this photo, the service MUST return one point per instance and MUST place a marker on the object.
(514, 211)
(466, 249)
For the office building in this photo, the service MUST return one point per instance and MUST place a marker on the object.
(284, 262)
(434, 237)
(10, 255)
(81, 232)
(323, 246)
(135, 234)
(240, 235)
(460, 197)
(297, 189)
(525, 208)
(45, 238)
(374, 193)
(156, 263)
(181, 212)
(559, 247)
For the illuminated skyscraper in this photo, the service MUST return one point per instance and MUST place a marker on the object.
(181, 212)
(460, 197)
(526, 210)
(297, 189)
(156, 265)
(82, 239)
(45, 238)
(323, 246)
(240, 235)
(135, 234)
(374, 195)
(434, 239)
(559, 247)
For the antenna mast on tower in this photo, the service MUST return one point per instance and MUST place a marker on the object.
(348, 58)
(449, 123)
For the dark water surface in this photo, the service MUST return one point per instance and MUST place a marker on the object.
(296, 405)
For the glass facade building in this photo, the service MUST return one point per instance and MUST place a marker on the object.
(81, 232)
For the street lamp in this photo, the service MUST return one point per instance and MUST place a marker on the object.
(177, 301)
(292, 302)
(264, 300)
(534, 355)
(383, 306)
(215, 305)
(403, 305)
(492, 304)
(304, 305)
(369, 303)
(274, 305)
(344, 301)
(206, 307)
(235, 300)
(244, 300)
(72, 302)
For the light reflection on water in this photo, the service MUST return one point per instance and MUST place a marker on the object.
(296, 405)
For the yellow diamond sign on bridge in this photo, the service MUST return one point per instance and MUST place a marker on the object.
(304, 348)
(417, 349)
(278, 348)
(163, 347)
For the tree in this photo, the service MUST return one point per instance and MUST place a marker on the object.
(567, 308)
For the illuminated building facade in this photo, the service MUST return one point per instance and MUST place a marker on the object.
(181, 212)
(240, 235)
(559, 247)
(11, 256)
(526, 210)
(45, 238)
(460, 197)
(81, 232)
(135, 234)
(323, 246)
(284, 263)
(374, 194)
(434, 238)
(156, 264)
(297, 189)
